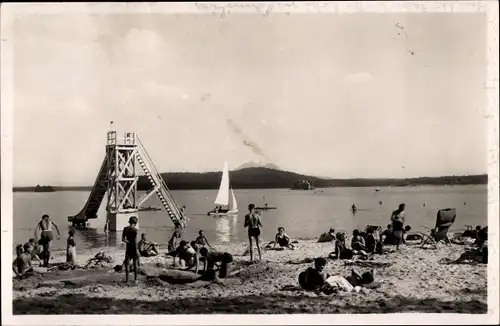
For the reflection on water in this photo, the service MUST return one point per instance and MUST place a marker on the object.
(224, 227)
(96, 238)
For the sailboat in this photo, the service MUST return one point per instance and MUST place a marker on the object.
(225, 204)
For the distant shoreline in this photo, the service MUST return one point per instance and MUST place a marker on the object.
(274, 179)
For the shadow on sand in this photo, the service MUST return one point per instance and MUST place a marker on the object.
(249, 304)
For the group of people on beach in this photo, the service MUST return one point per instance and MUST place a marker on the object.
(200, 257)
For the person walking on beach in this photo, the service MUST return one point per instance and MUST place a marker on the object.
(398, 220)
(46, 237)
(131, 239)
(253, 223)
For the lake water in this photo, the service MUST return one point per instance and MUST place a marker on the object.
(303, 214)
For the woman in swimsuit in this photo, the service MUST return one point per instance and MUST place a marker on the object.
(282, 239)
(46, 237)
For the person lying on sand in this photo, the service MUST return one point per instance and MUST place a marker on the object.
(147, 248)
(327, 236)
(32, 248)
(215, 259)
(71, 248)
(315, 279)
(21, 266)
(202, 240)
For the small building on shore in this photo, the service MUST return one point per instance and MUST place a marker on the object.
(302, 185)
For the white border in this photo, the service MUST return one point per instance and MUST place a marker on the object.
(9, 10)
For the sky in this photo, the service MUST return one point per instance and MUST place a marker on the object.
(340, 96)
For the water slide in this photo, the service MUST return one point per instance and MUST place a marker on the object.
(91, 207)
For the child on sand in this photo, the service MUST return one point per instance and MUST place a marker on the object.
(172, 243)
(147, 248)
(357, 242)
(214, 258)
(71, 248)
(32, 248)
(129, 236)
(186, 253)
(202, 240)
(253, 223)
(21, 266)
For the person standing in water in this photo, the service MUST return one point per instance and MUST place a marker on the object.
(253, 223)
(46, 237)
(398, 221)
(131, 239)
(106, 227)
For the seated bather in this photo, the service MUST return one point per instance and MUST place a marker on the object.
(172, 243)
(479, 254)
(341, 251)
(34, 249)
(147, 248)
(357, 242)
(372, 244)
(282, 240)
(327, 236)
(387, 236)
(186, 253)
(21, 266)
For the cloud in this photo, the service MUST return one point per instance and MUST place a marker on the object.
(358, 77)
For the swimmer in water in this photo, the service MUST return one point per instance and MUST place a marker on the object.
(46, 237)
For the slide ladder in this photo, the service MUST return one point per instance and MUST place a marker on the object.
(89, 211)
(160, 187)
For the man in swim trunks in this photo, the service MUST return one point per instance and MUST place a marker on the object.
(252, 221)
(131, 239)
(214, 258)
(46, 237)
(21, 266)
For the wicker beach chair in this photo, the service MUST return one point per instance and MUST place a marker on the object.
(444, 220)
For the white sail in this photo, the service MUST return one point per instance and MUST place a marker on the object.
(235, 204)
(223, 194)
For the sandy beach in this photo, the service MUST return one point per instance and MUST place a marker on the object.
(411, 280)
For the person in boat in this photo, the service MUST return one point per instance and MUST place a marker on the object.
(131, 239)
(398, 219)
(253, 223)
(21, 266)
(202, 240)
(46, 236)
(34, 250)
(71, 248)
(147, 248)
(214, 259)
(172, 243)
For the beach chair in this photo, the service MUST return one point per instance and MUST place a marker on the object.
(444, 220)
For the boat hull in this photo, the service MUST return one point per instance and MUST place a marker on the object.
(265, 208)
(228, 213)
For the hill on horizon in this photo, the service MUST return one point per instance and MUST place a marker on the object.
(253, 164)
(263, 177)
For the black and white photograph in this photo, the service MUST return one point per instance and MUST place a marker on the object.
(251, 158)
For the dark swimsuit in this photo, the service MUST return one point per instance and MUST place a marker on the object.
(131, 246)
